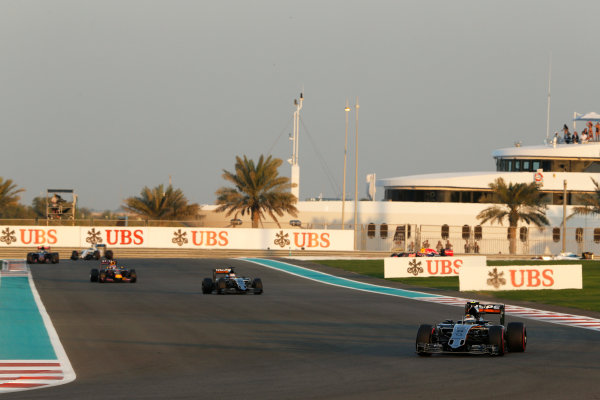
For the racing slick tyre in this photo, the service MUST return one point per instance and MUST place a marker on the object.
(96, 255)
(108, 255)
(257, 285)
(221, 286)
(30, 258)
(516, 337)
(94, 273)
(133, 276)
(207, 286)
(102, 277)
(74, 255)
(423, 336)
(54, 258)
(496, 335)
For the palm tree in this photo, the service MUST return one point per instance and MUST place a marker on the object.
(158, 203)
(259, 190)
(518, 202)
(591, 202)
(9, 195)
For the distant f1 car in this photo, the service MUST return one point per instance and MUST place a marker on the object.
(42, 255)
(111, 272)
(96, 252)
(472, 334)
(426, 253)
(224, 281)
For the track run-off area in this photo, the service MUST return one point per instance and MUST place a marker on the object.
(316, 332)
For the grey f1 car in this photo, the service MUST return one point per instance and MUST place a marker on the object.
(224, 281)
(473, 334)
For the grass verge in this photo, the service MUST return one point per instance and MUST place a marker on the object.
(587, 298)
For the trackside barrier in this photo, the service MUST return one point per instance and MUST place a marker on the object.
(521, 277)
(406, 267)
(177, 238)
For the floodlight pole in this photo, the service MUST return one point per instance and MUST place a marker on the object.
(347, 110)
(564, 233)
(294, 161)
(356, 182)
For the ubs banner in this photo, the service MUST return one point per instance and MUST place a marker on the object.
(521, 277)
(187, 238)
(406, 267)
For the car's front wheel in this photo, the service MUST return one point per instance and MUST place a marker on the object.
(516, 337)
(257, 285)
(221, 286)
(207, 286)
(94, 274)
(424, 336)
(496, 336)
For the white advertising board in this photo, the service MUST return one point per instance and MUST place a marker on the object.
(188, 238)
(521, 277)
(406, 267)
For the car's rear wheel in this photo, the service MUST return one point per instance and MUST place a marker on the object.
(54, 258)
(94, 273)
(30, 258)
(96, 255)
(257, 285)
(496, 336)
(424, 335)
(207, 286)
(516, 337)
(108, 254)
(133, 276)
(221, 286)
(74, 255)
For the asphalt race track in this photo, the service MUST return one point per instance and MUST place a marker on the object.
(160, 338)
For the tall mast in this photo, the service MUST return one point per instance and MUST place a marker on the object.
(548, 114)
(294, 161)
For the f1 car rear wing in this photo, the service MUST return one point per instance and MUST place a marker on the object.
(476, 309)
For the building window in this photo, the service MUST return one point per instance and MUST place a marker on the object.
(523, 234)
(445, 232)
(478, 232)
(579, 235)
(466, 232)
(371, 230)
(399, 236)
(383, 231)
(597, 235)
(556, 235)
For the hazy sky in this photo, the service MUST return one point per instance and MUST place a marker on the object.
(106, 97)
